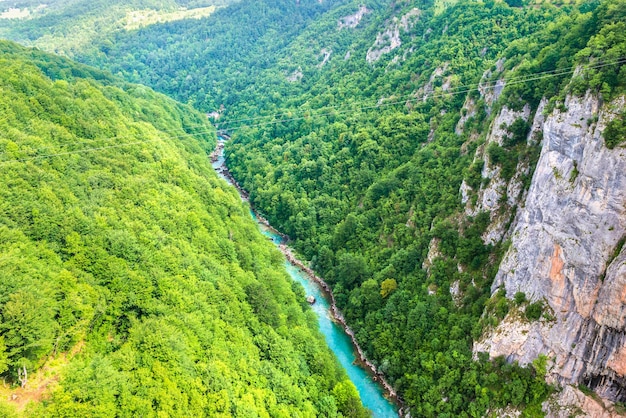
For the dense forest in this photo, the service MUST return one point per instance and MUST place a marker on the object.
(366, 177)
(133, 281)
(355, 124)
(354, 150)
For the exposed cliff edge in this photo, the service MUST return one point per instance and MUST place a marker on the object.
(566, 250)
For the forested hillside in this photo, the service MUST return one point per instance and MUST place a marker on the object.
(365, 168)
(133, 281)
(394, 142)
(212, 63)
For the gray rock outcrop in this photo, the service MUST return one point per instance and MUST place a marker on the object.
(490, 196)
(571, 402)
(389, 39)
(566, 251)
(353, 20)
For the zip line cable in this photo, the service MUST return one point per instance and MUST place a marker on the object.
(456, 91)
(425, 96)
(85, 150)
(486, 85)
(491, 84)
(468, 89)
(410, 98)
(130, 136)
(88, 141)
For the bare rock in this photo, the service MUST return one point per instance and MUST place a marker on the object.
(456, 293)
(468, 111)
(353, 20)
(427, 90)
(508, 412)
(325, 53)
(503, 120)
(563, 245)
(433, 253)
(385, 42)
(490, 198)
(389, 39)
(536, 130)
(296, 76)
(465, 190)
(571, 402)
(491, 90)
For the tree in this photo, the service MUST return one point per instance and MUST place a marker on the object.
(348, 400)
(387, 287)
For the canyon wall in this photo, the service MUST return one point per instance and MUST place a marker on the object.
(566, 251)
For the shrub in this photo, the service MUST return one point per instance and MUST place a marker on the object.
(615, 132)
(534, 311)
(520, 297)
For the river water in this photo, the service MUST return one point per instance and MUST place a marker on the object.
(371, 392)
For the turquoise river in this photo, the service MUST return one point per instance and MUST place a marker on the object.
(371, 392)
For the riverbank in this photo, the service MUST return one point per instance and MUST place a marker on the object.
(339, 318)
(336, 314)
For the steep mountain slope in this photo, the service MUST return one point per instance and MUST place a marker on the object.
(211, 63)
(132, 279)
(566, 250)
(566, 253)
(332, 162)
(407, 147)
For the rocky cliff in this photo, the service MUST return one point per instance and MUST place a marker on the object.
(566, 252)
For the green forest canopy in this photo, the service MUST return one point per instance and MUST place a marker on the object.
(72, 25)
(118, 243)
(364, 189)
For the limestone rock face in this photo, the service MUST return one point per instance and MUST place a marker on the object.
(572, 402)
(491, 90)
(566, 251)
(469, 108)
(389, 39)
(489, 197)
(353, 20)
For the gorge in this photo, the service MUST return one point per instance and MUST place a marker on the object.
(454, 170)
(339, 337)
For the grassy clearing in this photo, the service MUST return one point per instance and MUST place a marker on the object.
(136, 19)
(15, 399)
